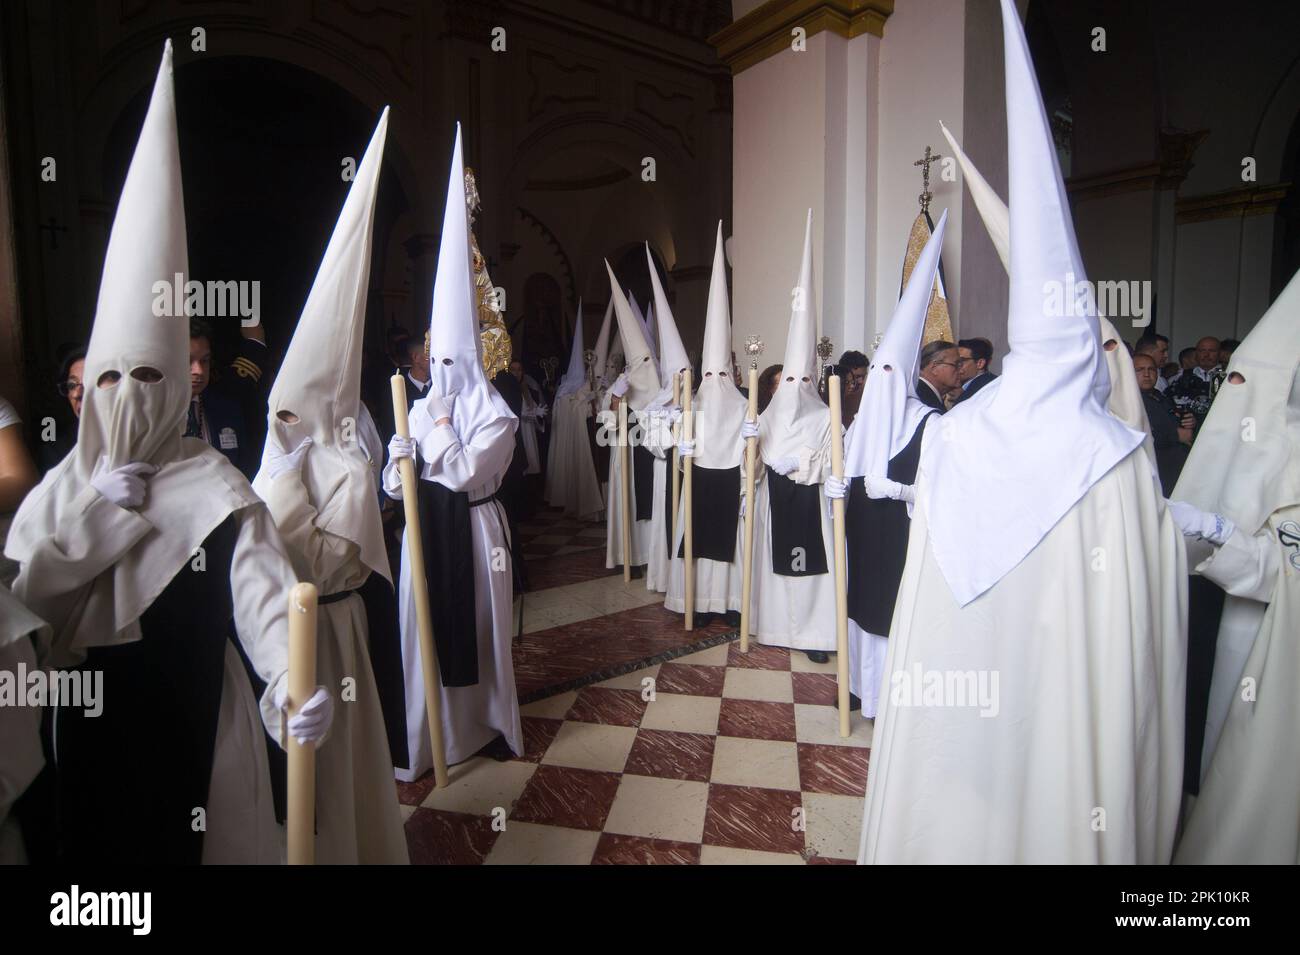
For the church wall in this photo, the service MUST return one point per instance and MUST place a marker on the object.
(922, 75)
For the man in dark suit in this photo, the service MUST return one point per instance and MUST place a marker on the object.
(1171, 434)
(973, 358)
(222, 409)
(938, 374)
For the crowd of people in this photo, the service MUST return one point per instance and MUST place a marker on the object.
(1017, 546)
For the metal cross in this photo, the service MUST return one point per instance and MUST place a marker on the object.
(924, 162)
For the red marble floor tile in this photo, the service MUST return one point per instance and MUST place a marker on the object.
(548, 658)
(759, 657)
(671, 755)
(568, 569)
(746, 817)
(574, 798)
(412, 794)
(539, 733)
(754, 719)
(828, 860)
(616, 849)
(690, 679)
(598, 704)
(817, 688)
(836, 770)
(435, 837)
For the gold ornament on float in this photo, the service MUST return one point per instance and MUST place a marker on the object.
(494, 340)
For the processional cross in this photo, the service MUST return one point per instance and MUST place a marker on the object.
(924, 162)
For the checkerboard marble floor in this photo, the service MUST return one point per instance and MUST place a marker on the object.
(717, 757)
(548, 533)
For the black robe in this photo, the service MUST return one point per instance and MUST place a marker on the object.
(875, 538)
(128, 781)
(715, 511)
(796, 522)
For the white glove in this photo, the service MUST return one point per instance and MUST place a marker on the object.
(785, 465)
(686, 449)
(674, 414)
(748, 429)
(313, 719)
(278, 462)
(835, 488)
(438, 407)
(619, 388)
(542, 411)
(879, 488)
(123, 486)
(1194, 522)
(399, 447)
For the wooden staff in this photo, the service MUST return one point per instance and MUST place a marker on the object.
(688, 524)
(841, 561)
(300, 822)
(423, 616)
(751, 462)
(677, 477)
(625, 489)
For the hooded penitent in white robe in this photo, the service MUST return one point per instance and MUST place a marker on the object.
(119, 585)
(884, 442)
(1245, 465)
(660, 415)
(719, 409)
(1037, 656)
(571, 481)
(328, 514)
(20, 726)
(793, 588)
(642, 377)
(466, 458)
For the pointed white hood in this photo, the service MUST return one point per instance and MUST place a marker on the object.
(319, 381)
(672, 353)
(642, 374)
(797, 418)
(1013, 461)
(1248, 480)
(890, 409)
(605, 368)
(455, 361)
(575, 376)
(719, 405)
(136, 419)
(1124, 400)
(651, 340)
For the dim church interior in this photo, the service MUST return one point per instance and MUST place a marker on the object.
(1180, 141)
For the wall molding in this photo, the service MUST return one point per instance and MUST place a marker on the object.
(765, 31)
(1231, 203)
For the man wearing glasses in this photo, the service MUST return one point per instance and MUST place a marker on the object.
(973, 357)
(938, 374)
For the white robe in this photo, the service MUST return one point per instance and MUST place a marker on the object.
(1080, 756)
(794, 612)
(640, 530)
(529, 425)
(571, 482)
(1246, 812)
(472, 716)
(21, 758)
(357, 816)
(867, 654)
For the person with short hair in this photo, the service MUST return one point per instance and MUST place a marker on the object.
(768, 382)
(1194, 389)
(852, 369)
(1170, 435)
(938, 375)
(221, 407)
(415, 368)
(1157, 347)
(974, 355)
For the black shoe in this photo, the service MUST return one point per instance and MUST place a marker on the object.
(854, 703)
(638, 572)
(732, 617)
(818, 656)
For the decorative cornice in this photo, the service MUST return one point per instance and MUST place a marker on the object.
(765, 31)
(692, 273)
(1231, 203)
(1133, 179)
